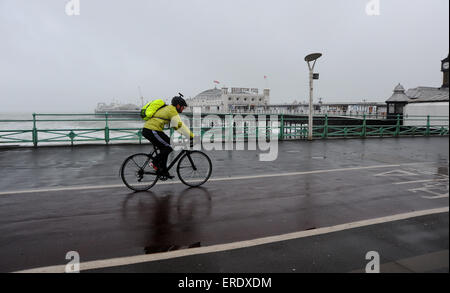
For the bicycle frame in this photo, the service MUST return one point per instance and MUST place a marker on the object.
(177, 158)
(174, 160)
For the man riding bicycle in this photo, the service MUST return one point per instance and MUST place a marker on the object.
(153, 131)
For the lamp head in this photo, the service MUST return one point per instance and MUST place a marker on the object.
(312, 57)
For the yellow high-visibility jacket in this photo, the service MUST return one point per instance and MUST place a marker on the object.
(168, 115)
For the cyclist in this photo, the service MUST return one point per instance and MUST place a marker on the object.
(153, 131)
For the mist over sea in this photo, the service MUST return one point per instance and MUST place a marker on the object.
(16, 128)
(13, 124)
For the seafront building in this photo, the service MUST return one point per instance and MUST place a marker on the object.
(249, 100)
(230, 100)
(422, 100)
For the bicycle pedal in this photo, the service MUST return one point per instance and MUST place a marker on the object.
(164, 178)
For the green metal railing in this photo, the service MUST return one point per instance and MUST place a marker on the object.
(108, 128)
(341, 126)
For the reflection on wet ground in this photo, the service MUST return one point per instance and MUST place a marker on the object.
(167, 218)
(442, 170)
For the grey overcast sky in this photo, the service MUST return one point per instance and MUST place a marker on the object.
(51, 62)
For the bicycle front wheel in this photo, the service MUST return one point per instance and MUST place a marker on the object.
(194, 168)
(137, 174)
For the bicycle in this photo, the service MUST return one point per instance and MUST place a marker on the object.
(194, 169)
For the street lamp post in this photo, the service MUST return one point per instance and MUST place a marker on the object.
(311, 58)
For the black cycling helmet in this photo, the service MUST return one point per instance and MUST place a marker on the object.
(178, 100)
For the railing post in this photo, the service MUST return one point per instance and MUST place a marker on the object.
(139, 134)
(231, 128)
(106, 129)
(245, 131)
(71, 135)
(397, 127)
(325, 129)
(171, 131)
(281, 135)
(364, 126)
(257, 127)
(427, 132)
(35, 134)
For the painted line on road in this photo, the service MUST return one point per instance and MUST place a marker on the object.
(421, 181)
(97, 264)
(71, 188)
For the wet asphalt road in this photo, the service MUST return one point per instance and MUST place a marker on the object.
(406, 246)
(336, 182)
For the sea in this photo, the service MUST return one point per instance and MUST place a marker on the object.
(13, 125)
(16, 128)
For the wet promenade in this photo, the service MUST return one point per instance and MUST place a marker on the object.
(319, 207)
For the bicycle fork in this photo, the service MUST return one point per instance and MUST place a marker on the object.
(192, 162)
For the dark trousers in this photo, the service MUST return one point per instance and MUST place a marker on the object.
(161, 141)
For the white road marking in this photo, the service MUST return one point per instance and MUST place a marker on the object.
(398, 172)
(211, 179)
(436, 196)
(417, 163)
(421, 181)
(97, 264)
(437, 189)
(69, 188)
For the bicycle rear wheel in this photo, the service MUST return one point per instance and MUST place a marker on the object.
(137, 174)
(194, 168)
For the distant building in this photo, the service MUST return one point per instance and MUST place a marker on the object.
(421, 101)
(230, 99)
(372, 109)
(249, 100)
(397, 102)
(116, 107)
